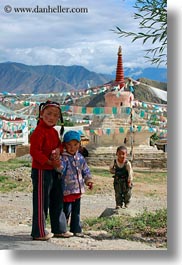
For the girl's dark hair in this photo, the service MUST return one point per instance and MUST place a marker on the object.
(43, 105)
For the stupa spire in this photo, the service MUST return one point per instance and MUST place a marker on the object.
(119, 70)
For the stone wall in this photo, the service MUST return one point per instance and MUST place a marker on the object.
(22, 150)
(143, 158)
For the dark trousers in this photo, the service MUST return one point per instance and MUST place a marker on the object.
(122, 192)
(72, 211)
(47, 199)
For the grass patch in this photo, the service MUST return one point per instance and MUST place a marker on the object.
(100, 172)
(13, 164)
(150, 177)
(3, 179)
(8, 182)
(150, 227)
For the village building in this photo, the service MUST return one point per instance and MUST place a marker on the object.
(13, 133)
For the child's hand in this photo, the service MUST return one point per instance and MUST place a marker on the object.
(90, 185)
(56, 163)
(55, 155)
(129, 184)
(57, 151)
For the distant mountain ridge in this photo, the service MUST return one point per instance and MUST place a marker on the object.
(20, 78)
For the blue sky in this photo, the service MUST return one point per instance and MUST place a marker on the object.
(70, 39)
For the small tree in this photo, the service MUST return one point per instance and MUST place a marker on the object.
(153, 23)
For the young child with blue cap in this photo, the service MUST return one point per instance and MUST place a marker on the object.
(76, 174)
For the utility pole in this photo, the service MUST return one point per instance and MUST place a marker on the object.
(132, 134)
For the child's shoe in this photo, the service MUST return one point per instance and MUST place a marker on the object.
(44, 238)
(64, 235)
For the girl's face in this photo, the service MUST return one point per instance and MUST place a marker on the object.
(122, 154)
(72, 146)
(50, 115)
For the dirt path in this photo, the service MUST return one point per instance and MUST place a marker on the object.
(15, 223)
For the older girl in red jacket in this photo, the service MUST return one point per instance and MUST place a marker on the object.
(45, 181)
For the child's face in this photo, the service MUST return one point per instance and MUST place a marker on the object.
(50, 115)
(122, 154)
(72, 146)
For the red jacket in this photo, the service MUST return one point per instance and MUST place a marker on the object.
(43, 140)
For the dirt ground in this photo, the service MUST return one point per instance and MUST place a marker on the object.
(16, 212)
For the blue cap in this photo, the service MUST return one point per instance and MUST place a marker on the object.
(71, 135)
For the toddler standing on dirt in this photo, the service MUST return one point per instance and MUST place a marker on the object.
(75, 172)
(123, 176)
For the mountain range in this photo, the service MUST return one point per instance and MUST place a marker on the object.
(20, 78)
